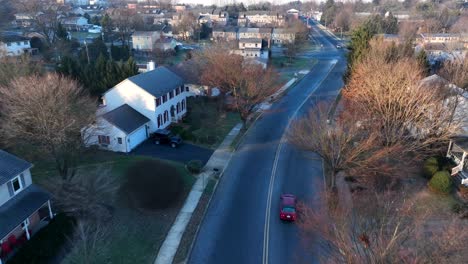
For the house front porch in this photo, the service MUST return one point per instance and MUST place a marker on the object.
(458, 152)
(22, 217)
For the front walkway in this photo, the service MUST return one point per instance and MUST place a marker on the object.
(216, 164)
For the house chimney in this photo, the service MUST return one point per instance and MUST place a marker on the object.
(150, 66)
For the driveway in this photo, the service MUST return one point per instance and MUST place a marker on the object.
(184, 153)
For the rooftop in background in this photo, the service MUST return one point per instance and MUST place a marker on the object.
(143, 33)
(11, 166)
(126, 118)
(187, 70)
(251, 40)
(12, 38)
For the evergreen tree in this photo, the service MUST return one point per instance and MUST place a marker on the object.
(130, 68)
(61, 32)
(68, 67)
(359, 44)
(423, 62)
(87, 16)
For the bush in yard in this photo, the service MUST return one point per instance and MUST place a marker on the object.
(153, 184)
(431, 166)
(441, 182)
(463, 192)
(195, 166)
(46, 243)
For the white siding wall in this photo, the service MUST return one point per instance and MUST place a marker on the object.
(104, 128)
(14, 49)
(5, 194)
(128, 93)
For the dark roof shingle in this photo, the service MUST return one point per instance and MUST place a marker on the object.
(157, 82)
(11, 166)
(126, 118)
(21, 206)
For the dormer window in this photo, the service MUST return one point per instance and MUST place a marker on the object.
(17, 185)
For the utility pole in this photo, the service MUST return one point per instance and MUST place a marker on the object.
(87, 54)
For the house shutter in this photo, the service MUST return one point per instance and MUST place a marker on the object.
(10, 188)
(22, 180)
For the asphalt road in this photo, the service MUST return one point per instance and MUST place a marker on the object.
(242, 222)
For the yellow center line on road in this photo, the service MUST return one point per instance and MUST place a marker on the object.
(266, 229)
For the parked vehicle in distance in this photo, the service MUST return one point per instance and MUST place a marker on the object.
(338, 46)
(288, 207)
(163, 136)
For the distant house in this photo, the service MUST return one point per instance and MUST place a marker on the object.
(13, 45)
(458, 152)
(145, 40)
(391, 38)
(225, 34)
(439, 52)
(165, 44)
(24, 19)
(136, 107)
(189, 72)
(76, 23)
(263, 18)
(24, 207)
(440, 38)
(282, 36)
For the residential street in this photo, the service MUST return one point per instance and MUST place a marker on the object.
(242, 222)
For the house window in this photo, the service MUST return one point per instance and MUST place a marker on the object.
(104, 140)
(158, 101)
(187, 88)
(177, 91)
(25, 43)
(17, 185)
(166, 116)
(159, 120)
(18, 43)
(164, 98)
(178, 107)
(119, 140)
(171, 94)
(183, 105)
(256, 45)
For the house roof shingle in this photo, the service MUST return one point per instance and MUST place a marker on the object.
(126, 118)
(188, 70)
(21, 206)
(11, 166)
(157, 82)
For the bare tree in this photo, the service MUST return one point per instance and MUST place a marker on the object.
(187, 25)
(89, 196)
(342, 145)
(246, 81)
(407, 30)
(389, 98)
(46, 114)
(44, 14)
(387, 230)
(343, 19)
(456, 72)
(89, 243)
(14, 67)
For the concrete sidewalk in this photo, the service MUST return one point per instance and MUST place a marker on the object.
(216, 164)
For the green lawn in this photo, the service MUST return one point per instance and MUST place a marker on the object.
(205, 124)
(288, 67)
(134, 235)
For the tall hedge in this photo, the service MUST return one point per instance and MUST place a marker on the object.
(441, 182)
(153, 184)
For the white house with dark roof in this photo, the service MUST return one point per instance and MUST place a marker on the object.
(14, 45)
(138, 106)
(24, 207)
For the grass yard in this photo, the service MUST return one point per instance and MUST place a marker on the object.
(289, 68)
(205, 124)
(134, 235)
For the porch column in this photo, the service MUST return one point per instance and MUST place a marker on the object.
(449, 149)
(50, 210)
(26, 229)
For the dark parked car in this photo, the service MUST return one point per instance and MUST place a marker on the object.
(163, 136)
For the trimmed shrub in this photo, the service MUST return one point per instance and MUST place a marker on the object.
(441, 182)
(195, 166)
(153, 184)
(431, 166)
(46, 243)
